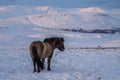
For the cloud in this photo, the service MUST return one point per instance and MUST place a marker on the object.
(3, 9)
(9, 8)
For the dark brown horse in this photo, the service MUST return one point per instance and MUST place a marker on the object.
(41, 50)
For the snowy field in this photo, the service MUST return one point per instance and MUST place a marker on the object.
(20, 25)
(73, 64)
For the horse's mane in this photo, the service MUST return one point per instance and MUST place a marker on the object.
(52, 39)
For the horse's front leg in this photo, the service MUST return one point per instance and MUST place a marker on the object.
(48, 64)
(49, 61)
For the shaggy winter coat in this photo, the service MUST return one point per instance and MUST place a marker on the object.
(41, 50)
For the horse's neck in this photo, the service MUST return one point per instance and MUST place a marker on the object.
(52, 45)
(48, 45)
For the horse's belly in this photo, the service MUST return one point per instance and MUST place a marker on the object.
(46, 54)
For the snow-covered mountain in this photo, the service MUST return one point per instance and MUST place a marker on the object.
(86, 18)
(58, 18)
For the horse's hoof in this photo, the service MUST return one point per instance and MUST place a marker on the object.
(38, 71)
(49, 69)
(42, 68)
(34, 71)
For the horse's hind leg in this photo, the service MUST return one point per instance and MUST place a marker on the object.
(38, 64)
(34, 65)
(42, 66)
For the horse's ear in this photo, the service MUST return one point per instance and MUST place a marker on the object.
(46, 40)
(62, 39)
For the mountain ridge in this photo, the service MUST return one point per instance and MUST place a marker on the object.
(58, 18)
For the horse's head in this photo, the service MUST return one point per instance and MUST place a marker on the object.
(60, 44)
(56, 42)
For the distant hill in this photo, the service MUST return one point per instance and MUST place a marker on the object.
(75, 19)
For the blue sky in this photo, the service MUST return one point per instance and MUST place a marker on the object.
(64, 3)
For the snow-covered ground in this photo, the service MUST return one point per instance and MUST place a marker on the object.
(72, 64)
(20, 25)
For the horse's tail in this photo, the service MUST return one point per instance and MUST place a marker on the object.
(36, 49)
(33, 52)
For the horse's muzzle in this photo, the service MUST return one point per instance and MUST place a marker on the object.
(62, 49)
